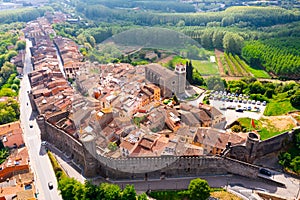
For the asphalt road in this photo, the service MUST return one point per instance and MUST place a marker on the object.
(39, 161)
(242, 186)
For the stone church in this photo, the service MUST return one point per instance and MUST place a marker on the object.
(170, 82)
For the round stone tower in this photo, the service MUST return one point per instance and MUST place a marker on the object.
(40, 120)
(89, 147)
(251, 146)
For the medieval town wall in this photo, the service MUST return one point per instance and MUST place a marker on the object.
(142, 167)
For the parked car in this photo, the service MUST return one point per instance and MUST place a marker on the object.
(239, 110)
(30, 126)
(265, 172)
(223, 108)
(258, 103)
(249, 101)
(244, 101)
(253, 101)
(249, 108)
(50, 185)
(264, 103)
(44, 143)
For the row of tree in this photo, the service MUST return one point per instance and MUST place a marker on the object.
(275, 58)
(72, 189)
(163, 6)
(252, 16)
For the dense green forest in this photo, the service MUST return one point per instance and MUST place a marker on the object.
(250, 16)
(279, 56)
(22, 14)
(163, 6)
(9, 83)
(234, 30)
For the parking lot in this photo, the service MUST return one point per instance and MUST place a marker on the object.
(235, 106)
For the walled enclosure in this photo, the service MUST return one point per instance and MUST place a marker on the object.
(154, 167)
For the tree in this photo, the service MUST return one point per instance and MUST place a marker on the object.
(233, 43)
(269, 93)
(215, 83)
(129, 193)
(91, 191)
(236, 128)
(110, 191)
(15, 87)
(197, 78)
(295, 99)
(66, 186)
(285, 159)
(189, 72)
(257, 88)
(295, 164)
(21, 45)
(142, 196)
(198, 189)
(217, 39)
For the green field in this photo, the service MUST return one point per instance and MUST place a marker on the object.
(279, 107)
(206, 67)
(258, 73)
(178, 60)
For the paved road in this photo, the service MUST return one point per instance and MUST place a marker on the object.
(39, 161)
(71, 168)
(243, 186)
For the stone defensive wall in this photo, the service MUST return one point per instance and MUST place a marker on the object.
(139, 167)
(274, 144)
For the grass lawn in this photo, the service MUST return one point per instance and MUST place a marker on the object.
(206, 67)
(257, 72)
(178, 60)
(165, 195)
(279, 107)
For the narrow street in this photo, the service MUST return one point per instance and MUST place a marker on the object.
(39, 160)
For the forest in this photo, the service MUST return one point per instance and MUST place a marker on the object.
(239, 31)
(9, 83)
(23, 14)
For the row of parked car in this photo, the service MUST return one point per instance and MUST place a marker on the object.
(237, 98)
(239, 108)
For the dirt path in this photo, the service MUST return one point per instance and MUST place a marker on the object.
(218, 54)
(166, 59)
